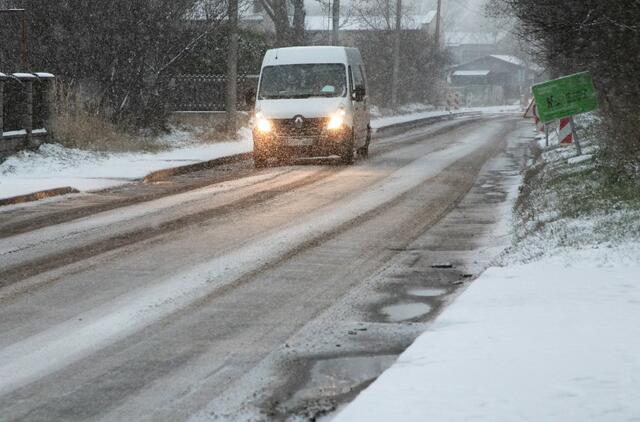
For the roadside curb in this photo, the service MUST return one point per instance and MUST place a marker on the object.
(36, 196)
(164, 174)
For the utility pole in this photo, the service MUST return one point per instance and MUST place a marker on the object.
(395, 82)
(438, 20)
(232, 69)
(335, 15)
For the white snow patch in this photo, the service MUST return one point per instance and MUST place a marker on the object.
(54, 166)
(545, 341)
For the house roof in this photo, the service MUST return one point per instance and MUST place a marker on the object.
(509, 59)
(409, 22)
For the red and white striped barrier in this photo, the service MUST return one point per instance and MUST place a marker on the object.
(566, 132)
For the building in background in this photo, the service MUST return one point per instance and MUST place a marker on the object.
(467, 46)
(493, 80)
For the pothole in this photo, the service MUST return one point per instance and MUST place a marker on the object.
(404, 311)
(340, 376)
(428, 292)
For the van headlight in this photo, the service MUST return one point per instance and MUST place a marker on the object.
(336, 120)
(263, 125)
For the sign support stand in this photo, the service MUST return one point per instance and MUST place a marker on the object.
(575, 136)
(546, 134)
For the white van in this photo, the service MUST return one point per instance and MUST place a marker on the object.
(311, 101)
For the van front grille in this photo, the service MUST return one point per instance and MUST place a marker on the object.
(306, 128)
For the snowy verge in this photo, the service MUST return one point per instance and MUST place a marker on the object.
(540, 341)
(551, 334)
(54, 166)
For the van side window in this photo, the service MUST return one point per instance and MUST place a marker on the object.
(351, 85)
(357, 77)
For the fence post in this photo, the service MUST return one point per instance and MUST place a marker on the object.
(28, 115)
(48, 98)
(1, 104)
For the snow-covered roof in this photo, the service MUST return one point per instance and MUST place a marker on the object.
(44, 75)
(409, 22)
(471, 72)
(2, 75)
(509, 59)
(473, 38)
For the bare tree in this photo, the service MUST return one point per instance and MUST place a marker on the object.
(232, 68)
(396, 55)
(287, 32)
(335, 28)
(602, 37)
(122, 52)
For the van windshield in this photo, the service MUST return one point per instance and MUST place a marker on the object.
(303, 81)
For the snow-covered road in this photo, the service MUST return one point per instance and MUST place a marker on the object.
(156, 310)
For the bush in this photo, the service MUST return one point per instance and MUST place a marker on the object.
(76, 125)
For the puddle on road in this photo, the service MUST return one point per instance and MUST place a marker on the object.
(429, 292)
(339, 376)
(404, 311)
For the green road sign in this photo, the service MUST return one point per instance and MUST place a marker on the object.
(565, 97)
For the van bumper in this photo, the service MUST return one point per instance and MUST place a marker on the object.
(325, 144)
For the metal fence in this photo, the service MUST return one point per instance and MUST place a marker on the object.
(207, 92)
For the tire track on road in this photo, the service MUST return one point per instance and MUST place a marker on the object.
(13, 274)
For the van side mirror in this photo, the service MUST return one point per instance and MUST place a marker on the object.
(359, 93)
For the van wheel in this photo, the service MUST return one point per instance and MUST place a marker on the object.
(348, 156)
(364, 150)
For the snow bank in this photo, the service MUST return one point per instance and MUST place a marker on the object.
(544, 341)
(54, 166)
(552, 335)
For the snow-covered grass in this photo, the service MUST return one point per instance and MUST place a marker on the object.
(551, 332)
(570, 202)
(54, 165)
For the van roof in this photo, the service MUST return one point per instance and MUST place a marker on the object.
(313, 54)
